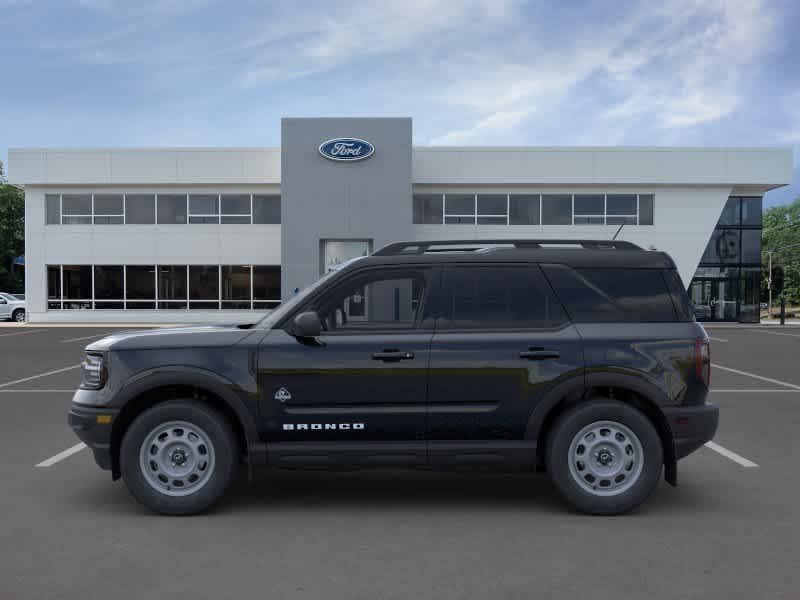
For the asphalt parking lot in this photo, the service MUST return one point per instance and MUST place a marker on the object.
(729, 530)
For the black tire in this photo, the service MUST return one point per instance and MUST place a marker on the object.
(18, 315)
(225, 452)
(557, 458)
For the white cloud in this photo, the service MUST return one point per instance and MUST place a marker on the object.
(503, 121)
(678, 64)
(298, 45)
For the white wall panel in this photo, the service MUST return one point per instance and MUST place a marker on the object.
(122, 166)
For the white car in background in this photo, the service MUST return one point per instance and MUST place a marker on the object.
(12, 308)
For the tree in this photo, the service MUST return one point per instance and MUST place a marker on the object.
(12, 235)
(782, 235)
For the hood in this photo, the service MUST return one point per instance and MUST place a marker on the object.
(205, 336)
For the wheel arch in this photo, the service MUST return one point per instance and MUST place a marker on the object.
(153, 387)
(619, 386)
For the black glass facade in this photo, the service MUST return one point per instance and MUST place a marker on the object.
(726, 284)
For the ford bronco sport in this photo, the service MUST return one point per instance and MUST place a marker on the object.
(579, 358)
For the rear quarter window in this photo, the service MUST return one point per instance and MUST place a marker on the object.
(593, 295)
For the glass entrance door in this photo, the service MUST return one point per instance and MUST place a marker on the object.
(714, 299)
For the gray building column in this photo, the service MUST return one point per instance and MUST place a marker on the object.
(322, 199)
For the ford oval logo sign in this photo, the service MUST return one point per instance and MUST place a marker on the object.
(346, 149)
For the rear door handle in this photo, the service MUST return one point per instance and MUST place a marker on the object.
(539, 354)
(392, 355)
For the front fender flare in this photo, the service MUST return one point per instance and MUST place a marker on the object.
(223, 388)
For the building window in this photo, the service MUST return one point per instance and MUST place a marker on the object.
(236, 287)
(726, 284)
(140, 209)
(203, 208)
(428, 209)
(266, 287)
(76, 209)
(459, 209)
(731, 213)
(556, 209)
(266, 209)
(646, 209)
(492, 209)
(751, 212)
(164, 209)
(235, 209)
(172, 290)
(140, 287)
(109, 287)
(523, 209)
(52, 209)
(203, 286)
(109, 209)
(76, 282)
(533, 209)
(163, 287)
(621, 209)
(589, 209)
(171, 209)
(53, 286)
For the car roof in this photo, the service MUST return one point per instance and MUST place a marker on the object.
(573, 253)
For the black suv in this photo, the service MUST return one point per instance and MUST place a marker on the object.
(581, 358)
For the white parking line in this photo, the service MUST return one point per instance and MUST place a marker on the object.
(24, 379)
(44, 391)
(86, 337)
(49, 462)
(754, 376)
(27, 332)
(777, 333)
(716, 339)
(754, 391)
(740, 460)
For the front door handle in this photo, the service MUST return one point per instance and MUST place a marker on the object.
(536, 353)
(392, 355)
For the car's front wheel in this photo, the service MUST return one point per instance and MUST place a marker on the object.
(179, 457)
(19, 315)
(604, 457)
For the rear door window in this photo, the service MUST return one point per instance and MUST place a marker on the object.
(497, 297)
(612, 294)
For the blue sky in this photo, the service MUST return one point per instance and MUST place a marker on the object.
(474, 72)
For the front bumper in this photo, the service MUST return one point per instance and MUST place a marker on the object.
(93, 431)
(692, 426)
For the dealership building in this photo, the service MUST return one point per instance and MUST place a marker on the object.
(224, 234)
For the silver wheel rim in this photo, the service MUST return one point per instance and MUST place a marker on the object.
(605, 458)
(19, 317)
(177, 458)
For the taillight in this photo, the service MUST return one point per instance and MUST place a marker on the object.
(702, 361)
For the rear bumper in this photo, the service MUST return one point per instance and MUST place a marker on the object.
(97, 435)
(692, 426)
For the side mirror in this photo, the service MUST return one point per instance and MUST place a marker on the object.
(306, 325)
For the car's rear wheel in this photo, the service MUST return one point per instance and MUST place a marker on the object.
(179, 457)
(19, 315)
(604, 457)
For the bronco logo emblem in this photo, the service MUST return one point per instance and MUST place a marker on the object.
(283, 395)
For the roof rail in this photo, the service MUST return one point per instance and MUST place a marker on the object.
(423, 247)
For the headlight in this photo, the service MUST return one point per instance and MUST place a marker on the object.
(93, 372)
